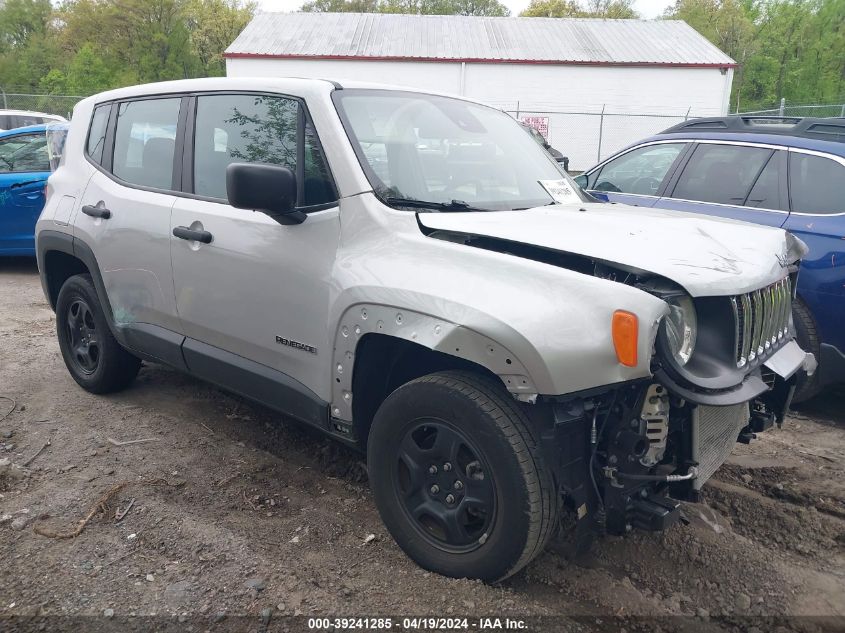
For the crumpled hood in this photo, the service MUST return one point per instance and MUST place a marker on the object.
(707, 256)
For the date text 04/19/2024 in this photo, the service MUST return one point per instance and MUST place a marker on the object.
(417, 624)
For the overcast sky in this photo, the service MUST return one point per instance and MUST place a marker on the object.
(646, 8)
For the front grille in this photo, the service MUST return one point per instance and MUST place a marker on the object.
(761, 322)
(715, 430)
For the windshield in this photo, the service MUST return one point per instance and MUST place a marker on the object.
(436, 149)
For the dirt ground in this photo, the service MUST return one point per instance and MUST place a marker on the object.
(237, 512)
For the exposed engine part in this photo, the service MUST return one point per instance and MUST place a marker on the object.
(653, 512)
(691, 474)
(655, 416)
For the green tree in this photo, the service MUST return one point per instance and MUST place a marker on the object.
(552, 9)
(340, 6)
(609, 9)
(22, 19)
(213, 25)
(88, 73)
(786, 49)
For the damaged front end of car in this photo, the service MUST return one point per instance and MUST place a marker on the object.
(724, 368)
(721, 367)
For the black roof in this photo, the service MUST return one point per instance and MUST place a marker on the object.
(832, 129)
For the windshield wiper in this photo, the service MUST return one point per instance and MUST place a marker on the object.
(454, 205)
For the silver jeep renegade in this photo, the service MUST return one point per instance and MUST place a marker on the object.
(413, 275)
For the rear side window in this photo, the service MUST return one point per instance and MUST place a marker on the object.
(640, 171)
(816, 184)
(257, 129)
(721, 173)
(24, 153)
(97, 133)
(145, 142)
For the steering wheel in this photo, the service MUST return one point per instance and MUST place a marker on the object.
(452, 190)
(645, 185)
(604, 185)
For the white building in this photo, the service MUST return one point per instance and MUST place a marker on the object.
(563, 73)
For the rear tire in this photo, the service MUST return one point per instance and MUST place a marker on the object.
(807, 336)
(458, 478)
(92, 355)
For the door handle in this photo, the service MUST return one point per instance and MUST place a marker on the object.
(96, 212)
(184, 233)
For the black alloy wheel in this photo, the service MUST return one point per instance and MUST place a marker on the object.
(445, 486)
(92, 355)
(458, 477)
(82, 333)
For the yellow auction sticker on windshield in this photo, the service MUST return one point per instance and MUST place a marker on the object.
(560, 191)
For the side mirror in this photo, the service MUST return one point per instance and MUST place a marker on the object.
(270, 189)
(581, 181)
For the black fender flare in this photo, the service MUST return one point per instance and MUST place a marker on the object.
(65, 243)
(147, 341)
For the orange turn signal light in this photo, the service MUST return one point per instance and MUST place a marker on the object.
(625, 329)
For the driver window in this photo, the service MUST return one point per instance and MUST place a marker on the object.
(24, 153)
(640, 171)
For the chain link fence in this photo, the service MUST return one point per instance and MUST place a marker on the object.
(49, 104)
(802, 110)
(588, 137)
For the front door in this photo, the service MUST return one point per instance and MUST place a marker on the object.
(254, 300)
(24, 168)
(636, 177)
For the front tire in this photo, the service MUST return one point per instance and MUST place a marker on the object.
(458, 478)
(92, 355)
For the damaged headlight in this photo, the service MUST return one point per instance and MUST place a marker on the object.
(681, 328)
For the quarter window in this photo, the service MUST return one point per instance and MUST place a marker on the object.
(765, 194)
(256, 129)
(145, 142)
(816, 184)
(97, 133)
(721, 173)
(640, 171)
(24, 153)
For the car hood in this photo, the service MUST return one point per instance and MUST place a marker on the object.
(706, 256)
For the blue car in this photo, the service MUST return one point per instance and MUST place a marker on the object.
(784, 172)
(24, 168)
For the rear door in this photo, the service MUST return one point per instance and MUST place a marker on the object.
(638, 176)
(24, 168)
(125, 214)
(738, 181)
(817, 192)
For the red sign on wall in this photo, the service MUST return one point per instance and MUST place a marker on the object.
(539, 123)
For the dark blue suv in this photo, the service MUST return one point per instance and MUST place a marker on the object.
(786, 172)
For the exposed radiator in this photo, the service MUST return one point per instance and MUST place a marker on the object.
(714, 433)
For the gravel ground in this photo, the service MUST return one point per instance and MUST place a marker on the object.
(233, 511)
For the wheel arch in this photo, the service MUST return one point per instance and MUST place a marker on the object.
(383, 363)
(376, 346)
(60, 256)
